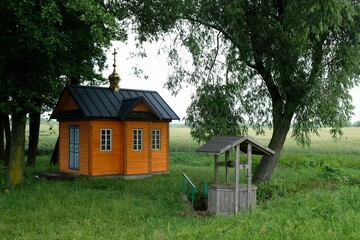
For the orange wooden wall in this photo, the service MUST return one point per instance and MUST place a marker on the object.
(146, 161)
(160, 158)
(107, 162)
(122, 159)
(137, 161)
(141, 107)
(66, 103)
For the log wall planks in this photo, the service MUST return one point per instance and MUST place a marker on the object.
(107, 162)
(122, 159)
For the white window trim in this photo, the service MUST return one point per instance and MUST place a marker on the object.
(153, 138)
(106, 139)
(138, 130)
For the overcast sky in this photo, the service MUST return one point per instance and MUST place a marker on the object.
(157, 70)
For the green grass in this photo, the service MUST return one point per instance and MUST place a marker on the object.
(315, 194)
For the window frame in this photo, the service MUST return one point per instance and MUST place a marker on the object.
(137, 139)
(106, 143)
(156, 139)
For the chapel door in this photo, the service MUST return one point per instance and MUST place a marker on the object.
(74, 147)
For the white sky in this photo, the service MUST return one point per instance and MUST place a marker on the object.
(156, 68)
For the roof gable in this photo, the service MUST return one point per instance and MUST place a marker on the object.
(221, 144)
(137, 107)
(100, 102)
(66, 103)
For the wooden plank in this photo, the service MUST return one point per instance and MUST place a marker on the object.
(227, 160)
(218, 145)
(141, 107)
(160, 157)
(221, 144)
(137, 160)
(167, 144)
(216, 168)
(65, 103)
(237, 178)
(90, 149)
(221, 198)
(126, 140)
(149, 147)
(249, 162)
(107, 162)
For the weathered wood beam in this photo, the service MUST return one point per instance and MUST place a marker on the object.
(237, 178)
(231, 164)
(249, 162)
(216, 167)
(227, 175)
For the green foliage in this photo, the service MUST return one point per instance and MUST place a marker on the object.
(213, 112)
(273, 53)
(2, 177)
(289, 67)
(49, 44)
(269, 190)
(333, 173)
(44, 46)
(356, 124)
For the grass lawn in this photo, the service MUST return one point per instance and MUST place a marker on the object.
(315, 194)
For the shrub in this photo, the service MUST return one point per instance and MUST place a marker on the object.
(334, 173)
(269, 190)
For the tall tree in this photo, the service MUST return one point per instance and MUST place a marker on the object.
(4, 135)
(43, 45)
(87, 32)
(294, 60)
(34, 131)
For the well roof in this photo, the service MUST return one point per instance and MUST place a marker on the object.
(221, 144)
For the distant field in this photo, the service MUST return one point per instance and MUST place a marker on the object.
(344, 151)
(180, 141)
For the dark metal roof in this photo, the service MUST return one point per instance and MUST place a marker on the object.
(69, 114)
(100, 102)
(219, 145)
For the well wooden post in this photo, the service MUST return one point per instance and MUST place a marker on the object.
(216, 167)
(227, 158)
(237, 177)
(249, 162)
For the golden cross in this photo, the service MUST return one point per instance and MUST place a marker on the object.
(114, 53)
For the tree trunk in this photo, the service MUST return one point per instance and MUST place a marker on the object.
(7, 138)
(2, 135)
(55, 155)
(6, 129)
(268, 164)
(34, 129)
(15, 176)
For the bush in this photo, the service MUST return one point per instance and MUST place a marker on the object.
(333, 173)
(269, 190)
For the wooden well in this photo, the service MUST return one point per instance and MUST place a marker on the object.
(230, 198)
(221, 198)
